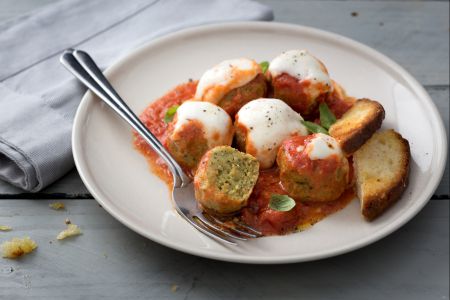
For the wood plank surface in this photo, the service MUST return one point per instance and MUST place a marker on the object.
(440, 96)
(110, 260)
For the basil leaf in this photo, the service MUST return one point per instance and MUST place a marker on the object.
(327, 117)
(281, 202)
(264, 66)
(170, 113)
(313, 127)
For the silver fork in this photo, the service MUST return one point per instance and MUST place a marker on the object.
(83, 67)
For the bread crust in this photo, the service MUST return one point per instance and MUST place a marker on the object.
(351, 134)
(374, 204)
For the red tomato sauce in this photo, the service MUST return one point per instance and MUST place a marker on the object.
(290, 89)
(271, 222)
(153, 119)
(257, 213)
(338, 101)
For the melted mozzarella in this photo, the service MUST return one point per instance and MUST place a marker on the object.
(322, 146)
(268, 123)
(303, 66)
(300, 148)
(217, 124)
(224, 77)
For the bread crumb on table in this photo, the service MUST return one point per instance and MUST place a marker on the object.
(57, 205)
(17, 247)
(5, 228)
(71, 230)
(174, 288)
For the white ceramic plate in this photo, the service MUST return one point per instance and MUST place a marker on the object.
(119, 178)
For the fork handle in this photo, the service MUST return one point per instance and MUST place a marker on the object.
(83, 67)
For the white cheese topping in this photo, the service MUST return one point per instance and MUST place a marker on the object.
(268, 122)
(217, 124)
(322, 146)
(300, 148)
(224, 77)
(303, 66)
(299, 64)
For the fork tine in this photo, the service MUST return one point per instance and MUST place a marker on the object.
(249, 228)
(237, 230)
(216, 228)
(205, 230)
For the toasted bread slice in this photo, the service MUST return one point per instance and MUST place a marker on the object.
(357, 125)
(381, 169)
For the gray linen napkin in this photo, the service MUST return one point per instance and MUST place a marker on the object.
(38, 97)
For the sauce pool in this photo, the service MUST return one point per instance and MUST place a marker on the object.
(305, 214)
(257, 213)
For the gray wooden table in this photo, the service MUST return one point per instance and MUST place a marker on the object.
(109, 260)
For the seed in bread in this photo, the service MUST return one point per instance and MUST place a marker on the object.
(225, 179)
(357, 125)
(381, 169)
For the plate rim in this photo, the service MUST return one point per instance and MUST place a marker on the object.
(239, 258)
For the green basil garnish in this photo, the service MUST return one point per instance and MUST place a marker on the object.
(327, 117)
(314, 128)
(264, 66)
(281, 202)
(170, 113)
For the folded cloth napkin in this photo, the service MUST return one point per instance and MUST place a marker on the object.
(38, 97)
